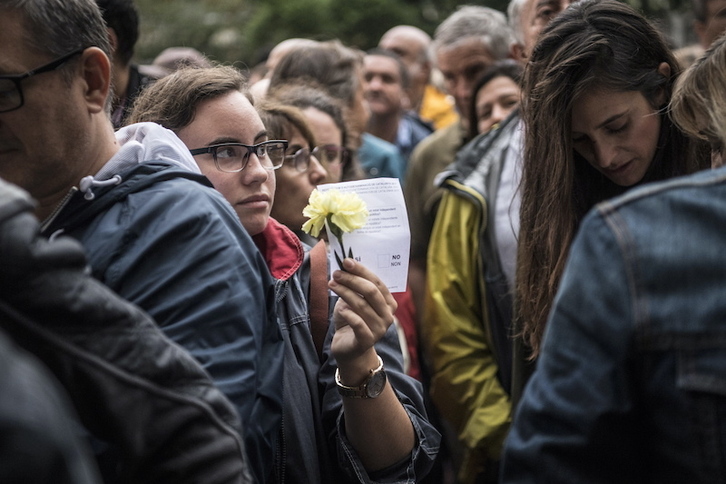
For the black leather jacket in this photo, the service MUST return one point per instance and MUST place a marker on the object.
(132, 388)
(38, 427)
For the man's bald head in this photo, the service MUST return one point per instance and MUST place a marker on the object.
(412, 45)
(407, 38)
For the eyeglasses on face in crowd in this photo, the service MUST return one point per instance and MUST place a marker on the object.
(11, 92)
(233, 157)
(331, 154)
(327, 155)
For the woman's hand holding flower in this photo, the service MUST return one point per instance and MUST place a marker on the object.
(362, 315)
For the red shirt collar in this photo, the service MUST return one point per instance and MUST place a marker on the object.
(281, 249)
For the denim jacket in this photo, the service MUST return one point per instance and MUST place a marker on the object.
(631, 382)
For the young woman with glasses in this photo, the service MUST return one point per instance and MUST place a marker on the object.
(327, 434)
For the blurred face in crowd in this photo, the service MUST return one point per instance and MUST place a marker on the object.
(461, 65)
(714, 25)
(495, 101)
(330, 140)
(231, 118)
(410, 45)
(535, 16)
(296, 179)
(383, 85)
(617, 133)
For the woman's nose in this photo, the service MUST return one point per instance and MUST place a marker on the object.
(605, 154)
(255, 171)
(316, 171)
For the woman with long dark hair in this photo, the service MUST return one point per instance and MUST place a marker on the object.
(628, 385)
(595, 93)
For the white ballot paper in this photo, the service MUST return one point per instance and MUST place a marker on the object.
(383, 244)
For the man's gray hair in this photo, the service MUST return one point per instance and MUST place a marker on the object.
(58, 27)
(473, 21)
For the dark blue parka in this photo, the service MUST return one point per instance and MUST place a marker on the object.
(163, 238)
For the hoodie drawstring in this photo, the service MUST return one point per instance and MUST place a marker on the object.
(88, 182)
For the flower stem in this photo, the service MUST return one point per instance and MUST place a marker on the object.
(342, 248)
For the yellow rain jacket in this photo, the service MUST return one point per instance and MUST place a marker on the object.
(467, 321)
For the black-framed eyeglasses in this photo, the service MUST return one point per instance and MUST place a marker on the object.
(233, 157)
(327, 155)
(11, 92)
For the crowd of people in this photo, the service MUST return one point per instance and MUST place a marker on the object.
(164, 318)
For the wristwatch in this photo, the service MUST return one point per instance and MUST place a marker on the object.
(371, 388)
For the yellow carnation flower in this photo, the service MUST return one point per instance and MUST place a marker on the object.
(316, 211)
(345, 211)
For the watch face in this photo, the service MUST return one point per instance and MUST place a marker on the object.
(376, 384)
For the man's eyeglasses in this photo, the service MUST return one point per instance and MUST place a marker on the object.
(233, 157)
(327, 155)
(11, 92)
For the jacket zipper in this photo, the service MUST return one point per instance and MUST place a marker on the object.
(49, 219)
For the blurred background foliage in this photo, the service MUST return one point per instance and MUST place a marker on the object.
(243, 31)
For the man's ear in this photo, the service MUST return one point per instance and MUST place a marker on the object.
(97, 77)
(516, 52)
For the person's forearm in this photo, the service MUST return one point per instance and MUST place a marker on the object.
(379, 429)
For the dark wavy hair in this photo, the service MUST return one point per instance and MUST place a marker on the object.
(330, 64)
(594, 44)
(281, 119)
(312, 95)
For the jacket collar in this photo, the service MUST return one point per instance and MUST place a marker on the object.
(282, 250)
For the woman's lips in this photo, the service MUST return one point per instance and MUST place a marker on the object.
(257, 201)
(620, 169)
